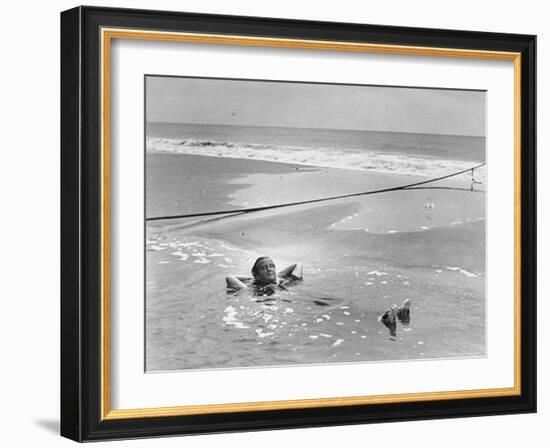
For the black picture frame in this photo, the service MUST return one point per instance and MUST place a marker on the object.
(82, 408)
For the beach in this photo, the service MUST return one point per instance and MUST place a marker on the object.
(360, 255)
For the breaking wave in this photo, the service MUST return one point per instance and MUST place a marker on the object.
(351, 159)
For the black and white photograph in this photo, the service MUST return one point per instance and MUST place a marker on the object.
(271, 224)
(292, 223)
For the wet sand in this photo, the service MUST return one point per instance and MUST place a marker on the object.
(178, 184)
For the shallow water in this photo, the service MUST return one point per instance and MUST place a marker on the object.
(360, 256)
(332, 316)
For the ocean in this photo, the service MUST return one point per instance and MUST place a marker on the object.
(361, 255)
(402, 153)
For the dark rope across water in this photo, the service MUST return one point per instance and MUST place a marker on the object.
(313, 201)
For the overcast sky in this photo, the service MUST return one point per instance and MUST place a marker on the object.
(332, 106)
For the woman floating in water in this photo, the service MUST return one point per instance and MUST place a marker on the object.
(265, 277)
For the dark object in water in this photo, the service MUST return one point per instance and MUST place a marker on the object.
(323, 301)
(404, 312)
(389, 319)
(266, 299)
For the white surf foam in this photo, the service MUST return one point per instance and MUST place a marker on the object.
(462, 271)
(354, 159)
(230, 318)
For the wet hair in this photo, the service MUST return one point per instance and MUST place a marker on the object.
(255, 267)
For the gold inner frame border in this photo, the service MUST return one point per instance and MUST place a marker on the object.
(107, 35)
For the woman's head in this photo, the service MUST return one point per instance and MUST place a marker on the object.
(264, 270)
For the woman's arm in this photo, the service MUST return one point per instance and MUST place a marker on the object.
(234, 283)
(294, 271)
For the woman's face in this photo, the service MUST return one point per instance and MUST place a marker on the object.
(265, 271)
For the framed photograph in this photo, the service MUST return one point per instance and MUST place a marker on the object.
(274, 224)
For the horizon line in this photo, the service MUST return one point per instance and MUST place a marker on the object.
(305, 128)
